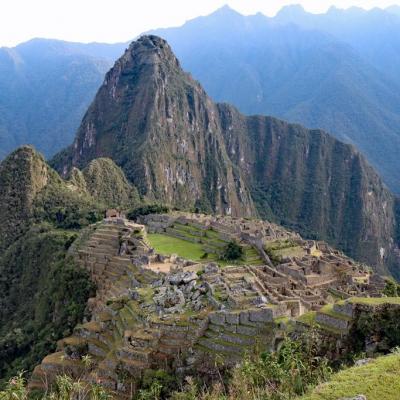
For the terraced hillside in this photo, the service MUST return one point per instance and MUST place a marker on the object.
(154, 309)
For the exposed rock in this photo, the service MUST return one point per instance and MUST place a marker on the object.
(182, 278)
(211, 268)
(364, 361)
(170, 298)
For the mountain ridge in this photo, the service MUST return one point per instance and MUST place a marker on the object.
(300, 73)
(149, 108)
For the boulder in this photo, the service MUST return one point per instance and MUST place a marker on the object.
(211, 268)
(363, 361)
(182, 278)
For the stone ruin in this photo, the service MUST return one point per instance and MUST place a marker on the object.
(146, 316)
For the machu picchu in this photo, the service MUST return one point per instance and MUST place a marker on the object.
(153, 309)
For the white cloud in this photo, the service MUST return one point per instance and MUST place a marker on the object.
(122, 20)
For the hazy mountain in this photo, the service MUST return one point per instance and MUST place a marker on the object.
(180, 148)
(394, 9)
(375, 34)
(45, 88)
(272, 66)
(336, 71)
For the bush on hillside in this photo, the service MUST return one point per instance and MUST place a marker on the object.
(146, 210)
(233, 251)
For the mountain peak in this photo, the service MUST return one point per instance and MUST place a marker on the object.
(291, 11)
(226, 11)
(150, 49)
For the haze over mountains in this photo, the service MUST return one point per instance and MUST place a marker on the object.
(45, 87)
(335, 71)
(318, 72)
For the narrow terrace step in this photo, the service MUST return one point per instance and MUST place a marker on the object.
(135, 367)
(137, 354)
(221, 346)
(175, 342)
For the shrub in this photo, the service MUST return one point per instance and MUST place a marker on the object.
(146, 210)
(232, 251)
(392, 289)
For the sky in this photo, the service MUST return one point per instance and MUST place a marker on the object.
(121, 20)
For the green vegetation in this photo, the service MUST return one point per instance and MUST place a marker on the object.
(107, 183)
(146, 210)
(392, 288)
(378, 323)
(281, 375)
(308, 318)
(168, 245)
(328, 310)
(373, 301)
(64, 388)
(203, 247)
(377, 380)
(232, 252)
(43, 295)
(65, 208)
(283, 248)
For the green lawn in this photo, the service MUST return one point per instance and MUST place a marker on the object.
(167, 245)
(374, 301)
(378, 380)
(328, 310)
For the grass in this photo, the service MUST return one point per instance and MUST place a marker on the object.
(308, 318)
(328, 310)
(378, 380)
(168, 245)
(374, 301)
(295, 251)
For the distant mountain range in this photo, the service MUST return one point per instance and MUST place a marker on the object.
(45, 87)
(335, 71)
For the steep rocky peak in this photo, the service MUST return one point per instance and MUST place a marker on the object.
(148, 52)
(151, 49)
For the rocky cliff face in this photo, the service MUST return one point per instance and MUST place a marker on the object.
(313, 183)
(180, 148)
